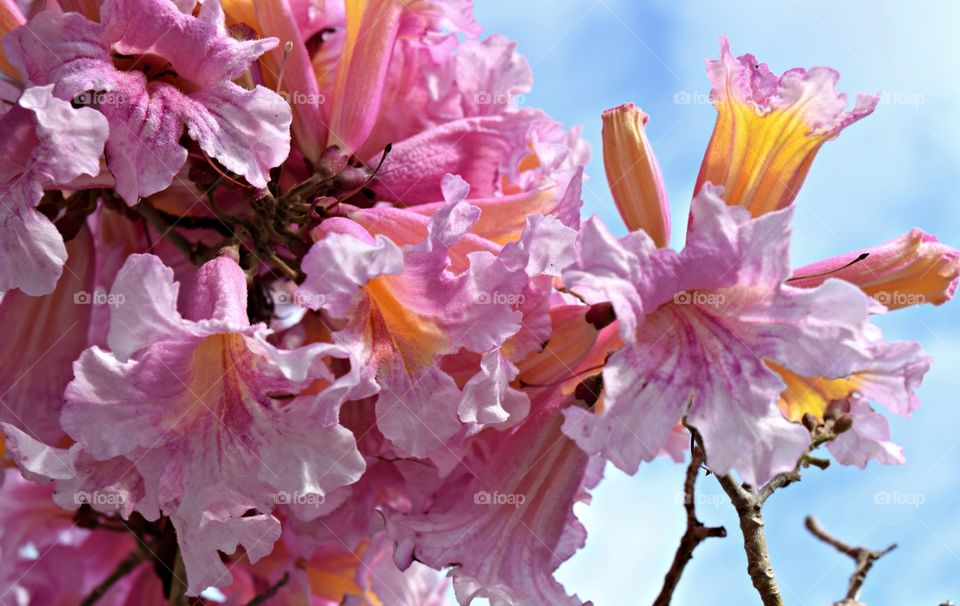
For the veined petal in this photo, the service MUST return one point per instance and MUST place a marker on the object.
(769, 129)
(868, 439)
(912, 269)
(10, 19)
(634, 174)
(504, 518)
(299, 86)
(46, 332)
(890, 378)
(476, 149)
(372, 28)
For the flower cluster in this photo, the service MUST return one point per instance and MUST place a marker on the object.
(299, 306)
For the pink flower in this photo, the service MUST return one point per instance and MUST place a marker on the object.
(443, 292)
(156, 72)
(699, 327)
(205, 411)
(770, 128)
(48, 145)
(503, 517)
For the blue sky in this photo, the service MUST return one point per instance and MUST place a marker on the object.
(893, 171)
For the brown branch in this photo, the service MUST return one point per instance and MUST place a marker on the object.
(748, 504)
(270, 592)
(193, 251)
(125, 567)
(178, 584)
(863, 557)
(695, 534)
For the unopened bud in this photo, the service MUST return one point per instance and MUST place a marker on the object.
(843, 423)
(834, 409)
(809, 421)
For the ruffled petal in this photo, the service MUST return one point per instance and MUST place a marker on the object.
(912, 269)
(199, 48)
(146, 294)
(143, 151)
(769, 129)
(488, 398)
(32, 249)
(504, 520)
(248, 131)
(868, 439)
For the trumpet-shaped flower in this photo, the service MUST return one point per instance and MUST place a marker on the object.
(214, 419)
(914, 268)
(769, 128)
(156, 72)
(698, 327)
(442, 292)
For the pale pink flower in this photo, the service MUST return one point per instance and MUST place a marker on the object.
(156, 73)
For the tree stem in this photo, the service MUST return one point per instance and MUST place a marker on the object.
(125, 567)
(695, 534)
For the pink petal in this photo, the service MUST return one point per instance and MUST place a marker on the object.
(46, 332)
(363, 71)
(488, 398)
(247, 131)
(477, 149)
(504, 520)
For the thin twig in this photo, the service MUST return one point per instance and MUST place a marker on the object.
(863, 557)
(270, 592)
(125, 567)
(748, 502)
(167, 231)
(178, 584)
(695, 534)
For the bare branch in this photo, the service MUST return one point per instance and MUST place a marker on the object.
(695, 534)
(863, 557)
(748, 503)
(125, 567)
